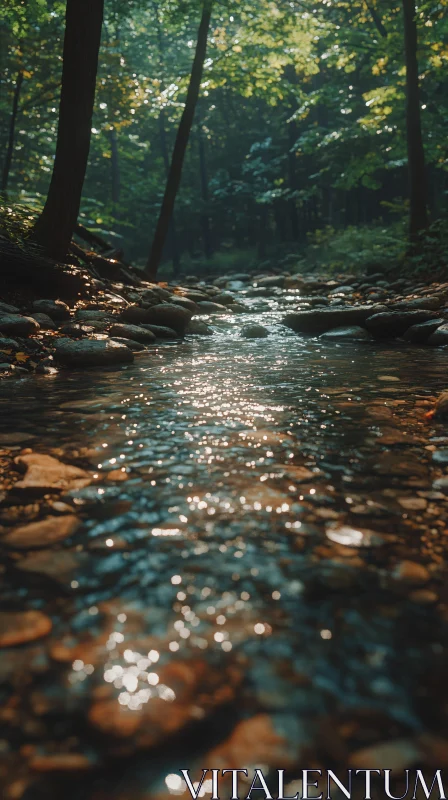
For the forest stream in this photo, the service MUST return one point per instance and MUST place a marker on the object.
(259, 575)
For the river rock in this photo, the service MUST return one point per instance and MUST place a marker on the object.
(6, 308)
(390, 324)
(294, 282)
(8, 344)
(428, 303)
(276, 741)
(167, 315)
(225, 299)
(20, 627)
(149, 298)
(133, 332)
(322, 320)
(54, 565)
(76, 330)
(136, 347)
(17, 325)
(91, 353)
(197, 327)
(271, 281)
(341, 290)
(411, 573)
(184, 302)
(419, 334)
(45, 472)
(440, 336)
(239, 308)
(87, 315)
(195, 294)
(207, 307)
(41, 534)
(353, 333)
(55, 309)
(45, 322)
(254, 332)
(161, 332)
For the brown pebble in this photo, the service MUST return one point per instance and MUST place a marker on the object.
(117, 475)
(41, 534)
(19, 627)
(410, 572)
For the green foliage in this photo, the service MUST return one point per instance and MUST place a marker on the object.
(301, 117)
(16, 221)
(429, 258)
(354, 248)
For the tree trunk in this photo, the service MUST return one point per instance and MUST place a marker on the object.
(12, 133)
(115, 171)
(292, 179)
(54, 228)
(205, 219)
(416, 154)
(180, 146)
(377, 19)
(172, 230)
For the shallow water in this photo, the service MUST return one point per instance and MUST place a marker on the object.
(247, 565)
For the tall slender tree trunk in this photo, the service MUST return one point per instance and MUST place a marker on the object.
(292, 179)
(54, 228)
(205, 219)
(416, 155)
(180, 146)
(12, 133)
(115, 171)
(172, 230)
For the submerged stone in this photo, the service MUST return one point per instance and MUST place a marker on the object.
(354, 333)
(41, 534)
(19, 627)
(45, 472)
(254, 332)
(322, 320)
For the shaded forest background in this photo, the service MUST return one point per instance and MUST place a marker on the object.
(298, 150)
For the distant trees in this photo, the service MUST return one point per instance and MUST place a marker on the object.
(308, 121)
(180, 145)
(11, 132)
(418, 217)
(54, 228)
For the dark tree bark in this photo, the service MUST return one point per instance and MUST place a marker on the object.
(292, 179)
(377, 19)
(416, 155)
(180, 146)
(12, 133)
(205, 219)
(172, 230)
(54, 228)
(115, 171)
